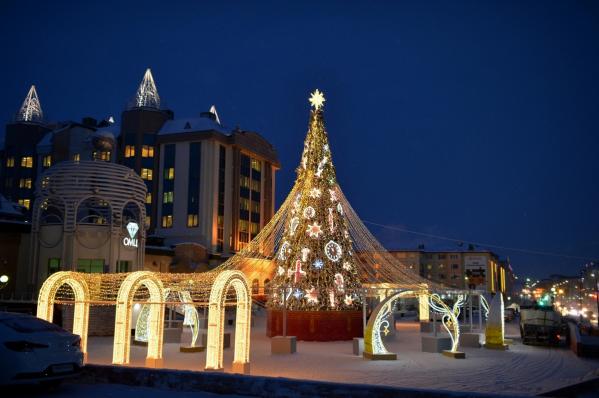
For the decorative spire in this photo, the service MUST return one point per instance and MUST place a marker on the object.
(213, 111)
(147, 94)
(31, 110)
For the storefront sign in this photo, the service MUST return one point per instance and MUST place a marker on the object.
(131, 240)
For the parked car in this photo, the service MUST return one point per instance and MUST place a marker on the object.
(33, 351)
(540, 325)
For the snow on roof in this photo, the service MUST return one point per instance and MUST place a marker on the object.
(187, 125)
(7, 207)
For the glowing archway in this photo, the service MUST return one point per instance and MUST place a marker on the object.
(122, 324)
(373, 342)
(45, 302)
(216, 320)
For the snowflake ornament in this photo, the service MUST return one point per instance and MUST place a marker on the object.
(347, 266)
(298, 294)
(281, 271)
(348, 300)
(315, 193)
(314, 230)
(317, 99)
(318, 264)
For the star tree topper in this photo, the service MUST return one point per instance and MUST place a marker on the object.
(317, 99)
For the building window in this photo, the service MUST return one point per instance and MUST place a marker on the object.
(255, 186)
(149, 198)
(102, 155)
(8, 182)
(53, 265)
(254, 228)
(256, 165)
(255, 207)
(244, 204)
(25, 183)
(441, 256)
(169, 173)
(453, 256)
(123, 266)
(147, 151)
(193, 182)
(167, 197)
(26, 203)
(148, 221)
(47, 161)
(146, 174)
(129, 151)
(192, 220)
(10, 162)
(76, 157)
(455, 266)
(167, 221)
(90, 266)
(27, 162)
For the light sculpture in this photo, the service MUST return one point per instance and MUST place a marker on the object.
(216, 321)
(47, 295)
(191, 317)
(449, 317)
(141, 326)
(122, 324)
(485, 304)
(495, 330)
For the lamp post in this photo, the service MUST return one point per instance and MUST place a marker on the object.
(596, 289)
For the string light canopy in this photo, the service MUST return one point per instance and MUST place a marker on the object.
(316, 244)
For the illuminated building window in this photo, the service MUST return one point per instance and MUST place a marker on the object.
(255, 207)
(146, 174)
(76, 157)
(26, 203)
(27, 162)
(192, 220)
(47, 161)
(169, 173)
(148, 221)
(101, 155)
(255, 185)
(147, 151)
(10, 162)
(129, 151)
(149, 197)
(167, 197)
(254, 228)
(243, 226)
(244, 204)
(167, 221)
(256, 165)
(90, 266)
(25, 183)
(244, 181)
(53, 265)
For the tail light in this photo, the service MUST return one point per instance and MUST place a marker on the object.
(23, 346)
(77, 343)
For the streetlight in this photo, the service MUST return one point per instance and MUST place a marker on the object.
(594, 276)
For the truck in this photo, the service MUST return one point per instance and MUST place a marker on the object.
(540, 326)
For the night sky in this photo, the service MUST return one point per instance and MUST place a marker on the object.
(466, 120)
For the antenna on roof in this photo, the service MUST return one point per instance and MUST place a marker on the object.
(147, 94)
(213, 111)
(31, 110)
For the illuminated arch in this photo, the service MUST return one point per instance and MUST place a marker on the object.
(216, 320)
(373, 342)
(45, 302)
(122, 324)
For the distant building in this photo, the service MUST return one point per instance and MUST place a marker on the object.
(460, 268)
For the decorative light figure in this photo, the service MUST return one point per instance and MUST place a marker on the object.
(31, 110)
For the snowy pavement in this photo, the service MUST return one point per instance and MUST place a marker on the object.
(521, 369)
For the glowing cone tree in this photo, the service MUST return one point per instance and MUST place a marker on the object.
(315, 265)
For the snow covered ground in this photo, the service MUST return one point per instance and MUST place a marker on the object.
(521, 369)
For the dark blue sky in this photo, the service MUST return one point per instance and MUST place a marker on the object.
(472, 120)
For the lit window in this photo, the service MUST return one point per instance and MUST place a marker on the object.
(76, 157)
(192, 220)
(47, 160)
(244, 204)
(27, 162)
(167, 197)
(167, 221)
(169, 173)
(243, 226)
(256, 165)
(255, 207)
(254, 228)
(102, 155)
(148, 221)
(255, 186)
(26, 203)
(129, 151)
(147, 151)
(149, 198)
(25, 183)
(244, 181)
(10, 162)
(146, 174)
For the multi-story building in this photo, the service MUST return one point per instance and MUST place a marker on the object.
(207, 185)
(461, 269)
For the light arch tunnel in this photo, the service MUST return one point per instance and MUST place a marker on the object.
(122, 331)
(374, 348)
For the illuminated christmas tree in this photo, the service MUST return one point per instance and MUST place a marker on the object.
(315, 265)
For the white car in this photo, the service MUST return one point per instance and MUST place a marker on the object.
(33, 350)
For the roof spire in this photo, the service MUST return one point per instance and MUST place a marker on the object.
(147, 94)
(213, 111)
(31, 110)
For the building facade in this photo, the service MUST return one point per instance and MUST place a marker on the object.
(461, 269)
